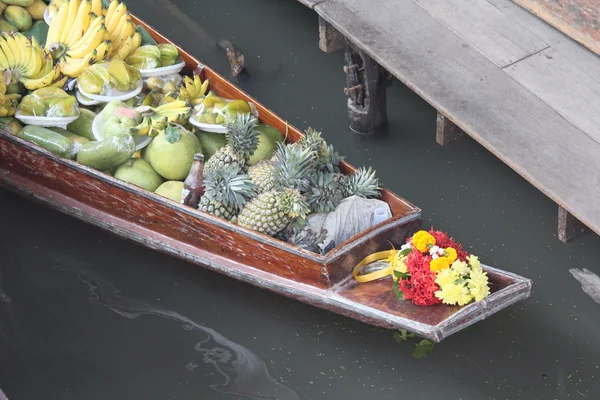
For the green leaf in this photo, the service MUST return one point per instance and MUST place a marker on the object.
(406, 252)
(39, 30)
(146, 38)
(399, 294)
(172, 134)
(105, 3)
(422, 349)
(403, 275)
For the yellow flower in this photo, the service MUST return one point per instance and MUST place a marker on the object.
(439, 264)
(478, 285)
(396, 262)
(421, 239)
(454, 294)
(446, 277)
(451, 254)
(474, 262)
(460, 267)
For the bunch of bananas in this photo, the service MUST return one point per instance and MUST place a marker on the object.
(25, 61)
(157, 119)
(121, 30)
(77, 37)
(8, 102)
(192, 90)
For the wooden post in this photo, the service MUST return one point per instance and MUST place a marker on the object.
(366, 84)
(569, 227)
(330, 39)
(446, 131)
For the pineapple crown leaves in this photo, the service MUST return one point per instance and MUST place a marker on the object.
(312, 139)
(242, 135)
(228, 186)
(326, 191)
(293, 166)
(363, 183)
(329, 159)
(294, 204)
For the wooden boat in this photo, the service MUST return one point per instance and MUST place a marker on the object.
(156, 222)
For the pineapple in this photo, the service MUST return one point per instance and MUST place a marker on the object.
(363, 183)
(226, 191)
(262, 175)
(272, 211)
(329, 189)
(242, 142)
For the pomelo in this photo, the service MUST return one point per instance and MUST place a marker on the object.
(171, 190)
(171, 152)
(140, 173)
(273, 133)
(211, 142)
(265, 149)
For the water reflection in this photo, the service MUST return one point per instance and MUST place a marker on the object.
(245, 373)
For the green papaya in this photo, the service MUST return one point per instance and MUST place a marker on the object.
(107, 154)
(83, 125)
(70, 135)
(49, 140)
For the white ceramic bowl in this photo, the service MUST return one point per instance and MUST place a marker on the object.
(60, 122)
(171, 69)
(116, 94)
(98, 126)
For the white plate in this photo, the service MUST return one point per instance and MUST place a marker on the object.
(85, 102)
(47, 17)
(60, 122)
(116, 94)
(215, 128)
(98, 126)
(171, 69)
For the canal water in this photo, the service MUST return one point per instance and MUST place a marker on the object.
(85, 315)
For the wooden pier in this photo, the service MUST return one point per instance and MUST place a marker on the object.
(493, 70)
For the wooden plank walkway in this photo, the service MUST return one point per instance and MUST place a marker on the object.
(524, 90)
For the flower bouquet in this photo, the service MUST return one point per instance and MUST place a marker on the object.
(430, 268)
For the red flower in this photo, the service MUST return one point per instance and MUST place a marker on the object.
(420, 287)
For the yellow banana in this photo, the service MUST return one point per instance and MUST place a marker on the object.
(59, 83)
(169, 106)
(14, 48)
(57, 24)
(120, 13)
(8, 52)
(111, 9)
(115, 30)
(123, 34)
(72, 67)
(47, 67)
(34, 62)
(203, 88)
(33, 84)
(103, 49)
(52, 9)
(137, 42)
(97, 7)
(3, 60)
(124, 50)
(92, 43)
(94, 26)
(26, 47)
(82, 23)
(70, 21)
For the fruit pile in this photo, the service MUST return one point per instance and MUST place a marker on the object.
(251, 176)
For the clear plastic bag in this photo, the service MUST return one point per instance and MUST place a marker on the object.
(217, 110)
(108, 78)
(49, 102)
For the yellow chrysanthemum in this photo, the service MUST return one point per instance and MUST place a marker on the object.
(454, 294)
(451, 254)
(396, 261)
(478, 285)
(460, 267)
(421, 239)
(439, 264)
(474, 262)
(446, 277)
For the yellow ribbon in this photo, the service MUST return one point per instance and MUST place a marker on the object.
(382, 273)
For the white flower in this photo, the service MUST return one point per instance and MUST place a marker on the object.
(434, 256)
(436, 250)
(405, 246)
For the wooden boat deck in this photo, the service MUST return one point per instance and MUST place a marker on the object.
(521, 88)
